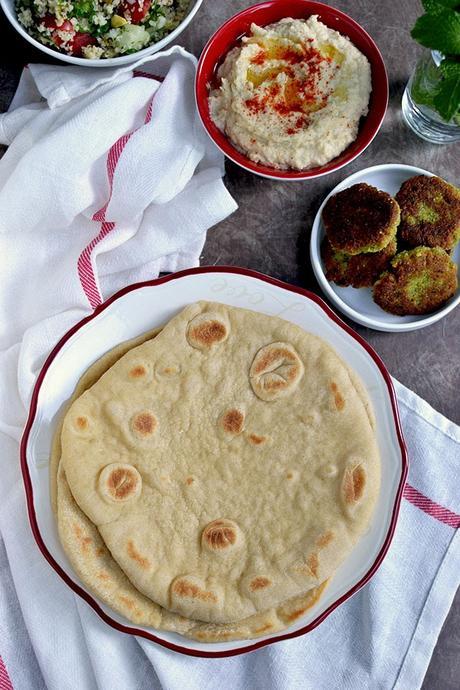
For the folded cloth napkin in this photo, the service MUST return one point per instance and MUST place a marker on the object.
(56, 184)
(381, 638)
(109, 178)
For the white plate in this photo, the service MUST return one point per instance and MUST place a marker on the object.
(358, 303)
(142, 307)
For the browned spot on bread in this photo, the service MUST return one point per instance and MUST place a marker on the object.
(313, 564)
(257, 440)
(189, 480)
(305, 603)
(359, 480)
(121, 483)
(219, 535)
(289, 475)
(208, 333)
(354, 480)
(102, 575)
(339, 402)
(338, 398)
(144, 424)
(136, 556)
(259, 583)
(129, 603)
(270, 357)
(184, 588)
(138, 371)
(84, 541)
(264, 628)
(324, 539)
(232, 421)
(100, 551)
(275, 371)
(81, 423)
(296, 614)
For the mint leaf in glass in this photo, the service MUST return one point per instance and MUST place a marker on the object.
(439, 31)
(447, 100)
(450, 67)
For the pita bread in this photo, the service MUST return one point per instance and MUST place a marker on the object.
(98, 571)
(229, 463)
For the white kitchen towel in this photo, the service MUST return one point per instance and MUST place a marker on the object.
(109, 178)
(382, 638)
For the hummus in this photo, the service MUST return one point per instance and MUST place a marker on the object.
(292, 93)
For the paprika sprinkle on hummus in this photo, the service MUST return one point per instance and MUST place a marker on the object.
(291, 94)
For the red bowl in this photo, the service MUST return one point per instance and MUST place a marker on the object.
(231, 33)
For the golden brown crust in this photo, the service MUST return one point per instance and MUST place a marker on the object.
(256, 440)
(360, 219)
(119, 482)
(144, 424)
(134, 554)
(419, 281)
(207, 330)
(430, 212)
(353, 484)
(275, 371)
(186, 589)
(325, 539)
(232, 421)
(138, 371)
(339, 400)
(82, 540)
(259, 583)
(359, 270)
(220, 535)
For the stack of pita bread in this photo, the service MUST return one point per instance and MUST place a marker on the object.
(209, 477)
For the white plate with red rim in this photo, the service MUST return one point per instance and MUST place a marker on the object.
(139, 308)
(357, 303)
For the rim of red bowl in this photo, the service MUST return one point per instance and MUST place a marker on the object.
(231, 32)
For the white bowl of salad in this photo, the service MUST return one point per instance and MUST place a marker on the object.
(100, 33)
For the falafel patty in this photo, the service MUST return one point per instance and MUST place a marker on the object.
(360, 219)
(419, 281)
(430, 212)
(360, 270)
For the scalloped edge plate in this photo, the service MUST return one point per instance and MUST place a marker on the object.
(141, 307)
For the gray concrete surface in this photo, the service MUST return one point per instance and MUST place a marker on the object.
(270, 231)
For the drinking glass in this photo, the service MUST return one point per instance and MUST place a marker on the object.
(417, 103)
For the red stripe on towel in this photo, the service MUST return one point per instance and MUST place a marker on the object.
(5, 682)
(431, 508)
(84, 264)
(147, 75)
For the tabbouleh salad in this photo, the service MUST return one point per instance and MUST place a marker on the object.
(100, 28)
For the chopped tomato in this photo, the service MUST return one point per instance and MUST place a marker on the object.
(81, 40)
(135, 11)
(74, 45)
(50, 22)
